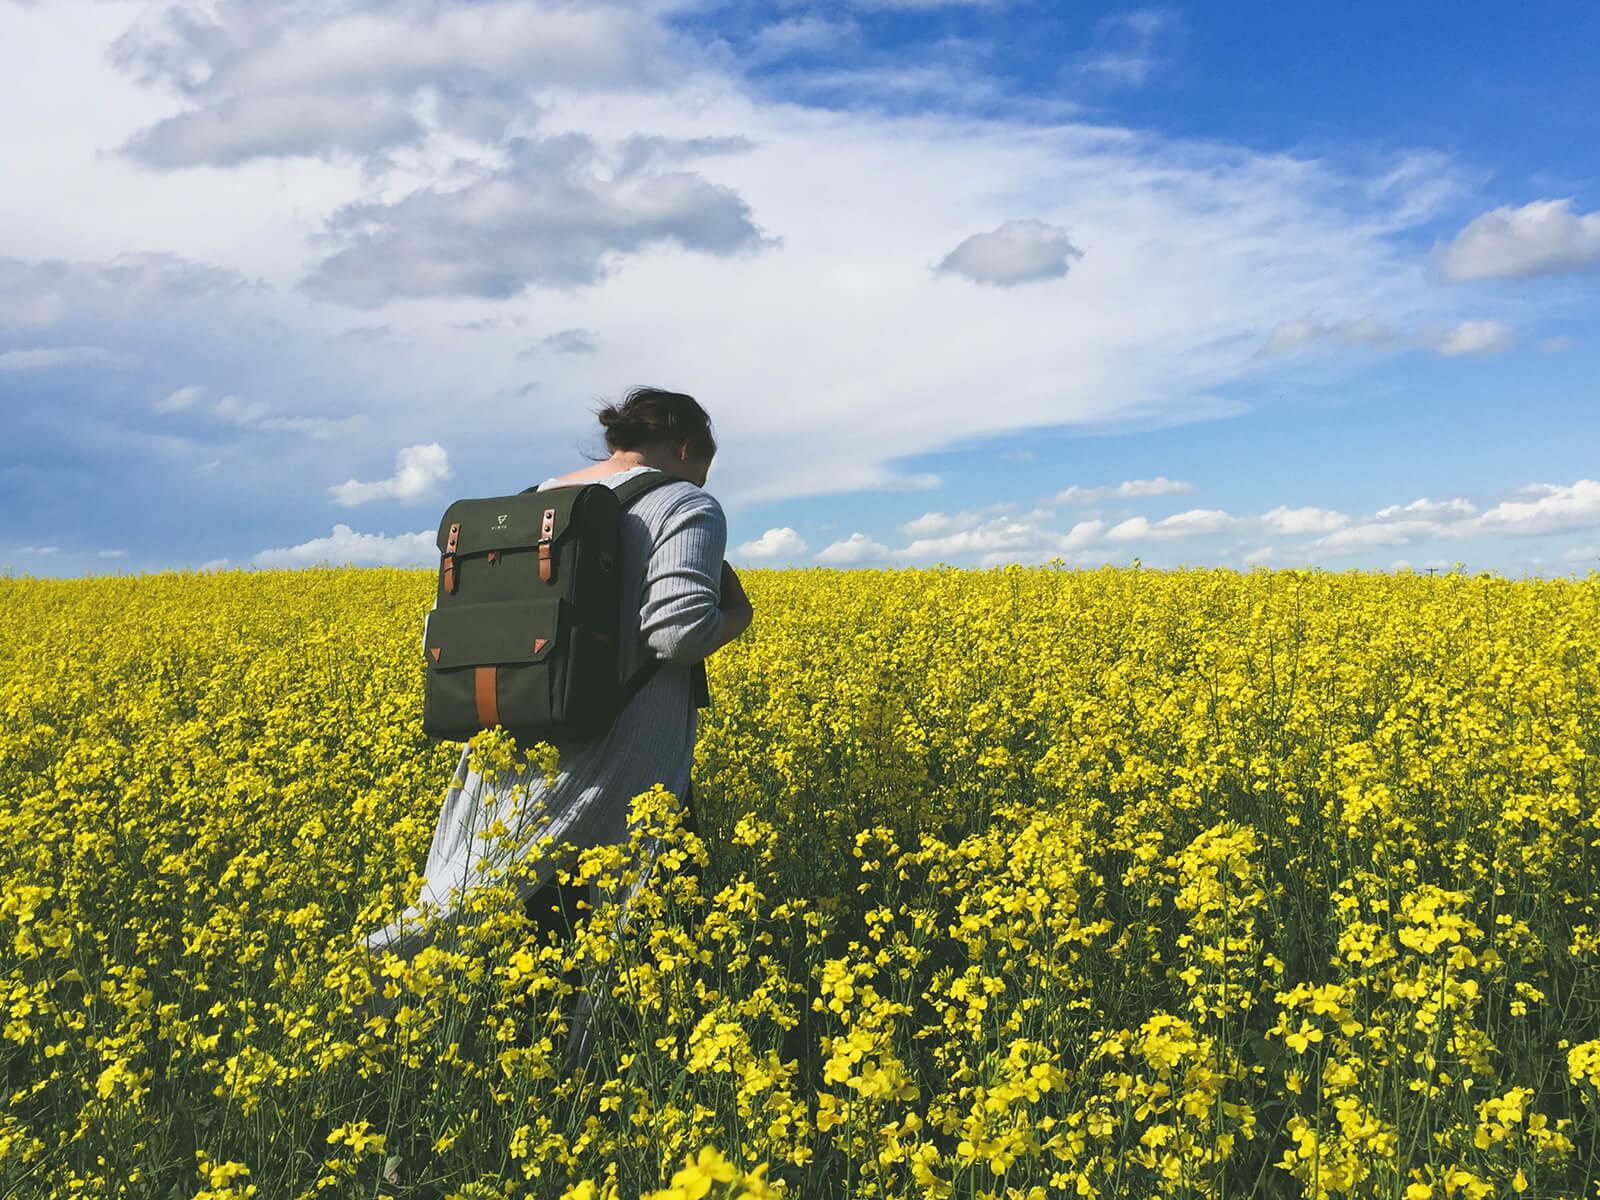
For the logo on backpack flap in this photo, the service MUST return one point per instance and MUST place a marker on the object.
(500, 521)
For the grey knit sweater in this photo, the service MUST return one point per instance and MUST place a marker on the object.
(673, 541)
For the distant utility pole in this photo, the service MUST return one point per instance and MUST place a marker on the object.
(1433, 571)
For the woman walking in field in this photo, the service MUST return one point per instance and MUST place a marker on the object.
(690, 603)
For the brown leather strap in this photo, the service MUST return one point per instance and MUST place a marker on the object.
(483, 683)
(449, 560)
(547, 529)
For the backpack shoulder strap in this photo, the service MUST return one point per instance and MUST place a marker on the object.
(630, 490)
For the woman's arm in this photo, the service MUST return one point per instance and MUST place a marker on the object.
(737, 612)
(681, 618)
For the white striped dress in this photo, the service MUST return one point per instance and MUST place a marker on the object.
(673, 541)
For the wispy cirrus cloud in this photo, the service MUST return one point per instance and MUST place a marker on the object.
(51, 358)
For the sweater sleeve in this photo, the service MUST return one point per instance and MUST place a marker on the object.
(679, 617)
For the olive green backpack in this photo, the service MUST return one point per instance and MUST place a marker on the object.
(523, 633)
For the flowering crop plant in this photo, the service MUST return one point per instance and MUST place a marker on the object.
(1018, 883)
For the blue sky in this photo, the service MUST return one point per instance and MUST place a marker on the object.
(958, 282)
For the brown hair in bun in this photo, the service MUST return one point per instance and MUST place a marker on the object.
(649, 415)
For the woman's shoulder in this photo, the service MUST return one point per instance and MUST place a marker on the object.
(682, 498)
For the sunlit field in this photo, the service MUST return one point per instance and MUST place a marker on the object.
(1016, 883)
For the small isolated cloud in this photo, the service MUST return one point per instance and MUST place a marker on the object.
(1556, 345)
(217, 564)
(1542, 238)
(857, 548)
(775, 543)
(38, 549)
(570, 341)
(1194, 523)
(112, 554)
(1128, 489)
(184, 397)
(1583, 554)
(1264, 554)
(1019, 251)
(51, 358)
(1474, 337)
(345, 545)
(1290, 521)
(416, 470)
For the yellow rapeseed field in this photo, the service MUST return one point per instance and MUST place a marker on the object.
(1018, 883)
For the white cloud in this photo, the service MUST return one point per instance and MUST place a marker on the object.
(257, 414)
(54, 357)
(38, 549)
(1442, 509)
(1583, 554)
(1132, 488)
(1008, 536)
(1302, 520)
(278, 80)
(184, 397)
(570, 341)
(112, 554)
(1542, 238)
(42, 293)
(1369, 534)
(1194, 248)
(416, 470)
(1125, 46)
(938, 522)
(345, 545)
(1018, 251)
(1475, 337)
(1264, 554)
(548, 217)
(1556, 508)
(241, 412)
(775, 543)
(1465, 337)
(1556, 345)
(857, 548)
(1194, 523)
(1353, 331)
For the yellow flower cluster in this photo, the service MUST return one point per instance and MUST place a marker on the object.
(1008, 885)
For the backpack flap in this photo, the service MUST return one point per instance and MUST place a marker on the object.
(503, 632)
(493, 664)
(528, 520)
